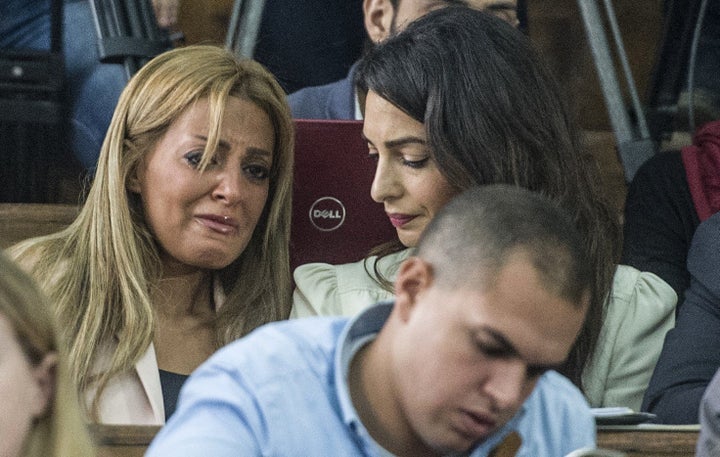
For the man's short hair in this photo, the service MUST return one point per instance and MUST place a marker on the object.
(470, 239)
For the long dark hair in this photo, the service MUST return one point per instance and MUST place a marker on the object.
(494, 113)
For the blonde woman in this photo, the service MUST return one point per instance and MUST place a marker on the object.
(182, 244)
(40, 410)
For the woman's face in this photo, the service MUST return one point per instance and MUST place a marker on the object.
(407, 180)
(204, 220)
(22, 395)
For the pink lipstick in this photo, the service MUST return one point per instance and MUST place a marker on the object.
(220, 224)
(398, 220)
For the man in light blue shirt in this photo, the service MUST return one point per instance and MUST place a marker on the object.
(494, 298)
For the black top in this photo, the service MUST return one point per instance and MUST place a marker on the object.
(171, 384)
(660, 220)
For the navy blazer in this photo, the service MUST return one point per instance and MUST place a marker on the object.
(331, 101)
(691, 352)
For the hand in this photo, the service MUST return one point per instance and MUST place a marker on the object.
(166, 13)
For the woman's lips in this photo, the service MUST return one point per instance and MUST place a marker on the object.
(398, 220)
(221, 224)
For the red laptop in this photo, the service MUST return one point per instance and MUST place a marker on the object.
(334, 218)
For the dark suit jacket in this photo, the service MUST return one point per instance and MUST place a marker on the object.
(691, 352)
(331, 101)
(660, 220)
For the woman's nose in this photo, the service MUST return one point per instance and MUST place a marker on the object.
(385, 185)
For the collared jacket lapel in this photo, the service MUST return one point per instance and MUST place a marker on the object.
(136, 397)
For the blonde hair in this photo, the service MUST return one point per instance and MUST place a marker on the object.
(61, 432)
(99, 271)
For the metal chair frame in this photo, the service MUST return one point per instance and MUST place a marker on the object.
(128, 32)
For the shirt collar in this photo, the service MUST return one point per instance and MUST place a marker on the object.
(356, 104)
(358, 332)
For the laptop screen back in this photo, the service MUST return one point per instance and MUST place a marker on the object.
(334, 218)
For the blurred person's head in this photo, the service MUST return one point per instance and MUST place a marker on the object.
(40, 410)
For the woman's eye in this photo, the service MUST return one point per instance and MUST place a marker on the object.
(415, 163)
(373, 156)
(193, 158)
(259, 172)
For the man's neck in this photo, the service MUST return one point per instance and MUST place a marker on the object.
(373, 395)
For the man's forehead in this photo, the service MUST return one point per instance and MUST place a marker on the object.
(485, 4)
(512, 343)
(504, 9)
(519, 309)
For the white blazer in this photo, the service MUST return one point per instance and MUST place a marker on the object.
(135, 397)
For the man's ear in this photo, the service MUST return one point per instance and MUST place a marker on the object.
(378, 16)
(414, 277)
(45, 376)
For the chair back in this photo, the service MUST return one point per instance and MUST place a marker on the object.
(32, 116)
(128, 33)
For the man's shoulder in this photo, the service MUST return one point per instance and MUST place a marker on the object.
(557, 403)
(329, 101)
(299, 342)
(554, 386)
(556, 419)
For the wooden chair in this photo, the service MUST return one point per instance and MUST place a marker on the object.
(122, 440)
(649, 440)
(632, 441)
(19, 221)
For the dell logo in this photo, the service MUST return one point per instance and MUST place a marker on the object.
(327, 214)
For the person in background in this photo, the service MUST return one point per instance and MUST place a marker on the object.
(492, 300)
(166, 13)
(92, 87)
(41, 416)
(182, 244)
(309, 42)
(690, 355)
(460, 98)
(339, 100)
(667, 199)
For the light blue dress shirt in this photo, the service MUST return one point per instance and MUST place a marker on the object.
(282, 391)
